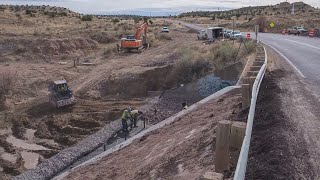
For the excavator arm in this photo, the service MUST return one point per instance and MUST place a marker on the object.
(142, 29)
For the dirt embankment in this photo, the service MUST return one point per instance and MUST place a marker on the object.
(37, 49)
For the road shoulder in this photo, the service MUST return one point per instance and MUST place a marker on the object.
(284, 140)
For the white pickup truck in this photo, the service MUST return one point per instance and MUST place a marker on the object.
(297, 30)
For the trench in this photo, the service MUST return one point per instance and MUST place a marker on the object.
(150, 91)
(169, 101)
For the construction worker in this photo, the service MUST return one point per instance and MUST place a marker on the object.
(124, 119)
(126, 116)
(184, 106)
(135, 115)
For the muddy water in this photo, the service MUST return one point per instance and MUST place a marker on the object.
(19, 143)
(30, 159)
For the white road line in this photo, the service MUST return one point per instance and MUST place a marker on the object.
(315, 47)
(299, 72)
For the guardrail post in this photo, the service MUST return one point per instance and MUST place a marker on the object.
(251, 82)
(238, 131)
(245, 88)
(222, 161)
(246, 80)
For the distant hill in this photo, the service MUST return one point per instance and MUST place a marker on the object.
(252, 11)
(38, 10)
(279, 14)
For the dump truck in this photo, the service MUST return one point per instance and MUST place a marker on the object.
(60, 94)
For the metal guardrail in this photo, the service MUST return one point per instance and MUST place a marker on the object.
(243, 157)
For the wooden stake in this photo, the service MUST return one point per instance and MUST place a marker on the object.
(245, 96)
(222, 161)
(238, 131)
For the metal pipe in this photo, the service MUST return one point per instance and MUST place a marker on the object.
(243, 157)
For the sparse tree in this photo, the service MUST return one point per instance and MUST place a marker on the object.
(136, 19)
(87, 18)
(28, 11)
(115, 21)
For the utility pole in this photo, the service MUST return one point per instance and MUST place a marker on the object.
(292, 9)
(219, 15)
(233, 30)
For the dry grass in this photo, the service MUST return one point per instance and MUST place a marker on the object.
(7, 81)
(164, 37)
(109, 51)
(225, 52)
(251, 46)
(191, 65)
(196, 61)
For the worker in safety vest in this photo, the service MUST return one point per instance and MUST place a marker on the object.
(126, 115)
(135, 115)
(184, 106)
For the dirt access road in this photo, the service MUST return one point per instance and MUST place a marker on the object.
(285, 139)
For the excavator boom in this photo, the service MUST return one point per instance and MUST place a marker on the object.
(143, 28)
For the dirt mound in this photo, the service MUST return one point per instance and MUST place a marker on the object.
(46, 49)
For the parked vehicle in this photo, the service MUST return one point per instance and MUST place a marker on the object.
(227, 33)
(236, 35)
(297, 30)
(165, 30)
(214, 32)
(202, 34)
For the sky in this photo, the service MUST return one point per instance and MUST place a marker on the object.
(149, 6)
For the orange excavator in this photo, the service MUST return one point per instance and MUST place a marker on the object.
(134, 42)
